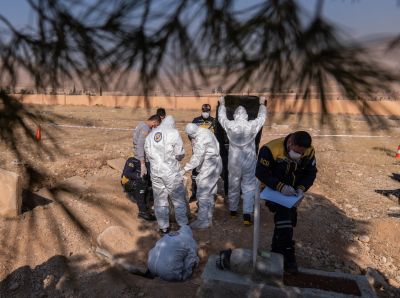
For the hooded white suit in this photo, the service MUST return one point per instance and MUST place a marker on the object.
(174, 256)
(164, 149)
(207, 161)
(242, 158)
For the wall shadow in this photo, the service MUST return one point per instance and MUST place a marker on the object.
(31, 200)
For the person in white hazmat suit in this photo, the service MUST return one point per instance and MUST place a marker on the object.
(242, 157)
(164, 149)
(174, 256)
(207, 161)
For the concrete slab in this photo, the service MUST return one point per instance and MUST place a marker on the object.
(362, 282)
(117, 164)
(10, 194)
(123, 246)
(117, 240)
(75, 183)
(219, 283)
(269, 268)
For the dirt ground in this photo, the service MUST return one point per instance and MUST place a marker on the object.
(344, 224)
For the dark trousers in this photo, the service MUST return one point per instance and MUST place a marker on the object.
(225, 173)
(194, 185)
(285, 220)
(139, 190)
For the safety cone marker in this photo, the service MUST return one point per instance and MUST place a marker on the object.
(398, 153)
(38, 135)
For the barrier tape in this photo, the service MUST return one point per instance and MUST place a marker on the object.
(269, 134)
(88, 127)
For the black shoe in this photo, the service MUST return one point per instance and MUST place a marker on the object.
(291, 267)
(247, 220)
(164, 232)
(146, 216)
(233, 214)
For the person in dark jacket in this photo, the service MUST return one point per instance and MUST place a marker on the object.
(204, 121)
(135, 177)
(287, 165)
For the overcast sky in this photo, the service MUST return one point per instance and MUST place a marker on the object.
(357, 18)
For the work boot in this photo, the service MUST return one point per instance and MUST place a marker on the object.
(291, 267)
(247, 219)
(163, 232)
(200, 224)
(146, 216)
(233, 214)
(290, 264)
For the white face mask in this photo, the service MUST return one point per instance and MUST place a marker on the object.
(205, 115)
(294, 155)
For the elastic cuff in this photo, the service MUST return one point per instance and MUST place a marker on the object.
(301, 187)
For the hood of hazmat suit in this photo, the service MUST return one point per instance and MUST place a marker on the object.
(205, 148)
(240, 114)
(191, 129)
(242, 157)
(174, 256)
(164, 149)
(168, 122)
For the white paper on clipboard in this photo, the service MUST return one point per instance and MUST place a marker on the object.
(269, 194)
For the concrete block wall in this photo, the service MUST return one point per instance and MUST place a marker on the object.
(10, 194)
(276, 105)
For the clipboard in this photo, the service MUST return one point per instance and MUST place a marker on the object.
(277, 197)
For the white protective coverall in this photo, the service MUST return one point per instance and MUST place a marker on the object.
(174, 256)
(164, 149)
(242, 157)
(207, 161)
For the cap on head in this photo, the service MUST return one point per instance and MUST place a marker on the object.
(205, 107)
(191, 129)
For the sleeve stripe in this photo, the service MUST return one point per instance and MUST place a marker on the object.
(279, 186)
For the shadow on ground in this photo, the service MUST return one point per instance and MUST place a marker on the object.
(50, 249)
(391, 194)
(388, 151)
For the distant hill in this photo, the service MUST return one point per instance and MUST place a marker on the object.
(377, 47)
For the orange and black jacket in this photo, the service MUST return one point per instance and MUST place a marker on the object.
(275, 168)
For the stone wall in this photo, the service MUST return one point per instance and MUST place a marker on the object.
(353, 107)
